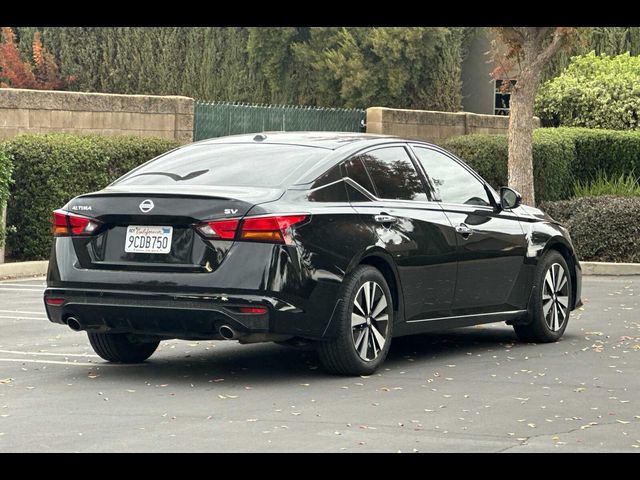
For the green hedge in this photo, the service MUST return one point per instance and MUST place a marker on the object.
(561, 157)
(49, 170)
(6, 167)
(553, 154)
(603, 229)
(608, 152)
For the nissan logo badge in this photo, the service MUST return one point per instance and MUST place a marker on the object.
(146, 206)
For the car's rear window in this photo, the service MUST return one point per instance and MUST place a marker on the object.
(264, 165)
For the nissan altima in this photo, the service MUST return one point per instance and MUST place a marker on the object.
(342, 241)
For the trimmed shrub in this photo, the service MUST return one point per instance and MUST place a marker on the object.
(603, 229)
(52, 169)
(6, 167)
(594, 92)
(553, 155)
(608, 152)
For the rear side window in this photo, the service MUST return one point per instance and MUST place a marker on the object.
(393, 174)
(262, 165)
(354, 169)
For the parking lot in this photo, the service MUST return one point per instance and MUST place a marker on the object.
(473, 389)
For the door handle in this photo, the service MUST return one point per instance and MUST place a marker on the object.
(463, 230)
(385, 218)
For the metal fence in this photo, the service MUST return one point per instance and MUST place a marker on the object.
(216, 119)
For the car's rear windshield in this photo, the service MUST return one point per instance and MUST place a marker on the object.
(265, 165)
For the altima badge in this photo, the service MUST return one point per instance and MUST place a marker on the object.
(146, 206)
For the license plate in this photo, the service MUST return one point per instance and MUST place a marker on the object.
(145, 239)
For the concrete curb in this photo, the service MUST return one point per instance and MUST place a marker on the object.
(39, 268)
(610, 268)
(23, 269)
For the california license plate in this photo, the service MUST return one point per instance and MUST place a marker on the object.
(146, 239)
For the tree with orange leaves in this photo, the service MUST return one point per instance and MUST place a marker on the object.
(18, 73)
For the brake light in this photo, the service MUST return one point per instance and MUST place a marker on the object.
(67, 224)
(222, 229)
(272, 229)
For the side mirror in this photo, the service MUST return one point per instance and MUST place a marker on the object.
(509, 198)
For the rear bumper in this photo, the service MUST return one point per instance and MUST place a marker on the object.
(173, 315)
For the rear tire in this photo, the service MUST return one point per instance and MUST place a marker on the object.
(121, 347)
(365, 325)
(551, 304)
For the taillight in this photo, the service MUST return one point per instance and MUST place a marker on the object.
(222, 229)
(67, 224)
(56, 302)
(271, 229)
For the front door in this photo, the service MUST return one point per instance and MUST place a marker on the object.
(491, 244)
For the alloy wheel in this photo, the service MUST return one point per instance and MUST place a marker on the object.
(555, 297)
(370, 321)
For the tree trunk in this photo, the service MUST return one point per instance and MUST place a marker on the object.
(521, 136)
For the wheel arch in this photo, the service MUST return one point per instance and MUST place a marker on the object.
(383, 262)
(560, 245)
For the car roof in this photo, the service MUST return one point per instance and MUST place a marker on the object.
(326, 140)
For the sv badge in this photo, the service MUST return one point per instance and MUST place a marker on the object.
(230, 211)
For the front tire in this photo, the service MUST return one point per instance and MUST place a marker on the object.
(551, 304)
(365, 324)
(121, 347)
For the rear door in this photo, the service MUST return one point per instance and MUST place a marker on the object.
(393, 201)
(491, 242)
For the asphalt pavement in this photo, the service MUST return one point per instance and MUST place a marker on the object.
(474, 389)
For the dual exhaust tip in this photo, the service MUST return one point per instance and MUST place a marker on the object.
(225, 331)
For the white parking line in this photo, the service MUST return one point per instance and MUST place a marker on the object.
(17, 352)
(19, 317)
(21, 311)
(21, 285)
(29, 360)
(38, 290)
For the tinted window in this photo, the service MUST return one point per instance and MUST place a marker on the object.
(226, 164)
(393, 174)
(354, 169)
(451, 181)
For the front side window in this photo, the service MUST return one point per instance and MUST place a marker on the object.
(393, 174)
(451, 181)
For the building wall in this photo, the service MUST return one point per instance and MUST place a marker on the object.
(477, 84)
(434, 127)
(40, 111)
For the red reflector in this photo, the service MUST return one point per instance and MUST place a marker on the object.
(253, 310)
(54, 301)
(274, 229)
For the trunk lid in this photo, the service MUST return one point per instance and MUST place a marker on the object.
(180, 208)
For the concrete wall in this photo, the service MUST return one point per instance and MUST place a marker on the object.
(433, 127)
(39, 111)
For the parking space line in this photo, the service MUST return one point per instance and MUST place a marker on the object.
(36, 290)
(50, 353)
(54, 362)
(21, 285)
(23, 312)
(20, 317)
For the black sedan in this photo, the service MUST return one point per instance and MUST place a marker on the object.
(340, 240)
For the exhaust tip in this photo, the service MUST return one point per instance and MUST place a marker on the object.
(227, 332)
(74, 324)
